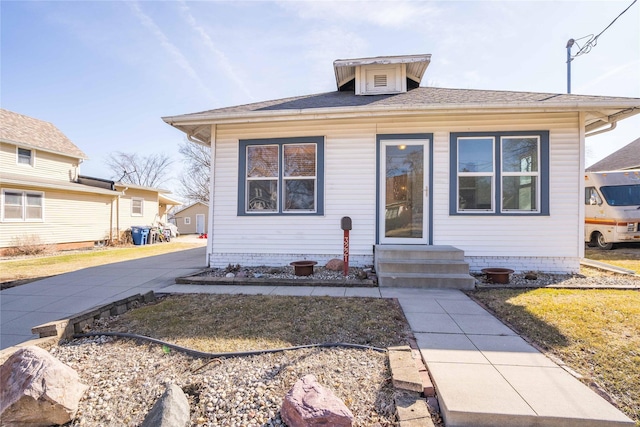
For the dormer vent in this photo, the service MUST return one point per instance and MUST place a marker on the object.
(380, 80)
(380, 75)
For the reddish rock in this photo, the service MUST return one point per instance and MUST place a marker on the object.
(309, 404)
(335, 265)
(36, 389)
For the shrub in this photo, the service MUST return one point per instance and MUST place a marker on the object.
(27, 245)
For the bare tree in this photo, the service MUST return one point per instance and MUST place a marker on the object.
(147, 171)
(194, 179)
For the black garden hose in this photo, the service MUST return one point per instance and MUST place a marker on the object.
(204, 354)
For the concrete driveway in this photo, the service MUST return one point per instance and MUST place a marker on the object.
(23, 307)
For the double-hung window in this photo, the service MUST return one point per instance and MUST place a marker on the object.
(137, 206)
(20, 205)
(24, 156)
(281, 176)
(500, 173)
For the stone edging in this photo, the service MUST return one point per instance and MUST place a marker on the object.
(52, 332)
(413, 387)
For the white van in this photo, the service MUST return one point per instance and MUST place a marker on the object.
(612, 207)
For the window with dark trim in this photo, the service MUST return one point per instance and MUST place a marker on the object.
(499, 173)
(281, 176)
(24, 206)
(24, 156)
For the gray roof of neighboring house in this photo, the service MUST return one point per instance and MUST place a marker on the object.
(628, 157)
(419, 99)
(33, 133)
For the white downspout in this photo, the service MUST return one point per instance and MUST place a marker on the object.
(581, 125)
(212, 182)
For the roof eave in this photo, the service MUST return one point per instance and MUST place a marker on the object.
(368, 111)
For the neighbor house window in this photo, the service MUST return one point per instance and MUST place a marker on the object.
(187, 220)
(25, 156)
(136, 206)
(500, 173)
(281, 176)
(22, 205)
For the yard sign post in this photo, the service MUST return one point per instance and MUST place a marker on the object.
(345, 224)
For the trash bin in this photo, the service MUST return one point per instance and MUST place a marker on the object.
(136, 235)
(144, 233)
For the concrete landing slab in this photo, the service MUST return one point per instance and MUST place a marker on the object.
(478, 395)
(560, 399)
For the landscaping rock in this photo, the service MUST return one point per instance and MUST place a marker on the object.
(36, 389)
(310, 404)
(335, 265)
(170, 410)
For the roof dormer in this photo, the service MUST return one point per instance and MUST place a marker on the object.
(381, 74)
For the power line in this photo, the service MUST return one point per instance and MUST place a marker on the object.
(593, 41)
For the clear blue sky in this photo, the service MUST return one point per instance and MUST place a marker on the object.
(104, 72)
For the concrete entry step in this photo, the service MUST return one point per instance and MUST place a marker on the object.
(425, 280)
(422, 266)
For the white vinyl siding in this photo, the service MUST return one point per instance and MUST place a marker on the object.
(70, 217)
(44, 164)
(149, 208)
(24, 206)
(350, 190)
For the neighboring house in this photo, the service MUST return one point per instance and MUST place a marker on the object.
(192, 219)
(628, 157)
(43, 197)
(496, 174)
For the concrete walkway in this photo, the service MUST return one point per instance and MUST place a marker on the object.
(484, 374)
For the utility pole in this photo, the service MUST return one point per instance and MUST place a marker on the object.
(569, 59)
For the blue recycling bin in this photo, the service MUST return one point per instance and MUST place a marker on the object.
(144, 235)
(136, 235)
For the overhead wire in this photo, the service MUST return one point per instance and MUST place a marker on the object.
(593, 41)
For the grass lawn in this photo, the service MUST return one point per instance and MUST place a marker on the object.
(35, 267)
(595, 332)
(223, 323)
(624, 255)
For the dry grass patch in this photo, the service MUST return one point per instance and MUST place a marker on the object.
(625, 256)
(36, 267)
(221, 323)
(595, 332)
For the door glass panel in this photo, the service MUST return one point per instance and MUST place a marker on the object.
(404, 200)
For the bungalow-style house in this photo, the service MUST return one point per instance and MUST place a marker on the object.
(45, 200)
(192, 219)
(494, 175)
(626, 158)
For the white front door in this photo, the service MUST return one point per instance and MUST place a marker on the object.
(404, 202)
(200, 223)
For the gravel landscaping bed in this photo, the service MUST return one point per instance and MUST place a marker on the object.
(592, 278)
(125, 378)
(287, 272)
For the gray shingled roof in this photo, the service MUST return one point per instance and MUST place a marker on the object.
(628, 157)
(23, 130)
(422, 96)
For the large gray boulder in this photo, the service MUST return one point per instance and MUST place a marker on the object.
(36, 389)
(310, 404)
(170, 410)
